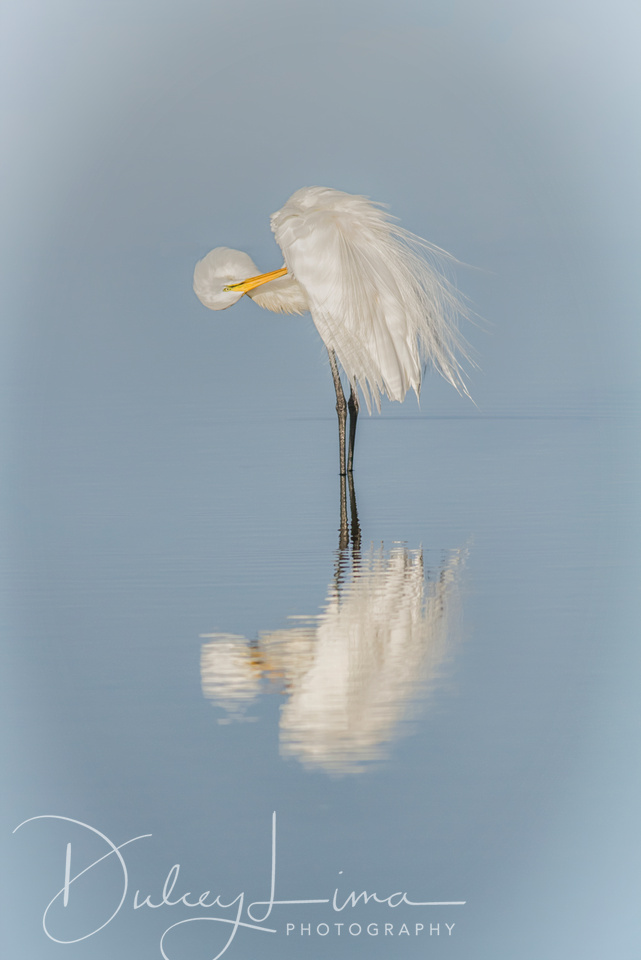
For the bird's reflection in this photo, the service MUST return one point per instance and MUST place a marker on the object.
(352, 674)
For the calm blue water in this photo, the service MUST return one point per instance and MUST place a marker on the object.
(443, 709)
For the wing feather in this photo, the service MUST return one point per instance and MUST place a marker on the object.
(378, 295)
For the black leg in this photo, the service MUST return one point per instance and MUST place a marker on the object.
(353, 408)
(341, 409)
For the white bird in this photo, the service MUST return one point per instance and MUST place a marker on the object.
(377, 294)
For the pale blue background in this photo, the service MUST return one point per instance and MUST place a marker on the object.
(171, 472)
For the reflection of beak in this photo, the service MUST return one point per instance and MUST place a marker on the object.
(246, 285)
(263, 667)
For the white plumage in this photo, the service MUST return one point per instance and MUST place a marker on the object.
(375, 300)
(377, 294)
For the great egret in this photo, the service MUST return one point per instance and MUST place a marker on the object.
(377, 295)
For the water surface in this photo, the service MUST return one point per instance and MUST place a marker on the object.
(430, 707)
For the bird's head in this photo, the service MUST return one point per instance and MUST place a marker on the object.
(217, 272)
(224, 275)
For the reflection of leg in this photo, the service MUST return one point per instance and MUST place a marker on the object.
(341, 408)
(353, 416)
(343, 537)
(356, 527)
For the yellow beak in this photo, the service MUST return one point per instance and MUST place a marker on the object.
(246, 285)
